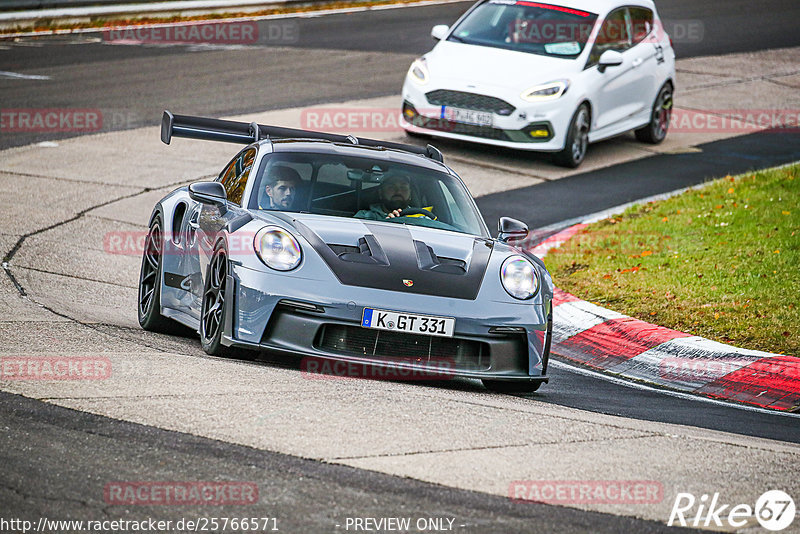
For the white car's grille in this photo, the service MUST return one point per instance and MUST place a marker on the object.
(460, 99)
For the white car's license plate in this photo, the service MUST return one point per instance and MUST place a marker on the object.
(467, 116)
(408, 322)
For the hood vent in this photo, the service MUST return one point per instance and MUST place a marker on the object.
(367, 251)
(388, 255)
(431, 262)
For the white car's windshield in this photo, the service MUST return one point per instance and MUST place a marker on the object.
(524, 26)
(364, 188)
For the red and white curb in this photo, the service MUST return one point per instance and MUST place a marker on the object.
(623, 346)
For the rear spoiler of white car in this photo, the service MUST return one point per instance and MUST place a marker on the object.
(244, 133)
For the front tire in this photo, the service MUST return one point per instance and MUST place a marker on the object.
(577, 143)
(656, 130)
(213, 308)
(149, 298)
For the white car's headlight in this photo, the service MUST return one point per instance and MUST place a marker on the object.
(419, 71)
(547, 91)
(277, 248)
(520, 278)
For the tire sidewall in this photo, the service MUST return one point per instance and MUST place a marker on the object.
(152, 317)
(665, 88)
(213, 345)
(566, 156)
(653, 126)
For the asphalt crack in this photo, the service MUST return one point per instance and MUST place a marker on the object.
(70, 180)
(489, 447)
(6, 261)
(766, 77)
(76, 277)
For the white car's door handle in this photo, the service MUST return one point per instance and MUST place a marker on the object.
(636, 62)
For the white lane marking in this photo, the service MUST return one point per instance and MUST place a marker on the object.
(678, 394)
(687, 363)
(17, 75)
(572, 318)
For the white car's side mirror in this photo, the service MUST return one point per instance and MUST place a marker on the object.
(439, 31)
(609, 58)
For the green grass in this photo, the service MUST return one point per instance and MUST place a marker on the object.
(722, 262)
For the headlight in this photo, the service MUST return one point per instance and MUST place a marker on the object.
(419, 71)
(520, 278)
(277, 248)
(548, 91)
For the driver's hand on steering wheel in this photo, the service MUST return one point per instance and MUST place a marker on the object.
(393, 214)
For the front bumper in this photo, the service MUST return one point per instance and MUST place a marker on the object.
(298, 320)
(533, 127)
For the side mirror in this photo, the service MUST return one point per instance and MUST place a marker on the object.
(511, 230)
(609, 58)
(440, 31)
(212, 193)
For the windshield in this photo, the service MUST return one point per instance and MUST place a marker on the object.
(364, 188)
(523, 26)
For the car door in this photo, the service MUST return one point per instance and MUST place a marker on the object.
(646, 54)
(211, 220)
(615, 92)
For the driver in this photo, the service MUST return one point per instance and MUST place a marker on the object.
(395, 196)
(282, 187)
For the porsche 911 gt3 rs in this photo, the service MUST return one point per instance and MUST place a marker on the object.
(288, 251)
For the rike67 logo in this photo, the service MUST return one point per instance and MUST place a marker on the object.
(774, 510)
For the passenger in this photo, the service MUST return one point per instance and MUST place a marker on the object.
(281, 188)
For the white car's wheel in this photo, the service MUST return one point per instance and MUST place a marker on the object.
(656, 129)
(577, 142)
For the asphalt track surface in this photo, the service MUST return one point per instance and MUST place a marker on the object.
(51, 454)
(133, 84)
(305, 495)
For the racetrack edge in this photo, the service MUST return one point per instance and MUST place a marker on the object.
(616, 344)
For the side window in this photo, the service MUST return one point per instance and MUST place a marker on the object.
(614, 35)
(235, 177)
(457, 218)
(260, 199)
(229, 173)
(641, 20)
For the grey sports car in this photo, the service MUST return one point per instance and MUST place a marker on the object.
(340, 249)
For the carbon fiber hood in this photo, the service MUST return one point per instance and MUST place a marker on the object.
(396, 257)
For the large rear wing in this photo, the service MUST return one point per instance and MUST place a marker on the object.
(244, 133)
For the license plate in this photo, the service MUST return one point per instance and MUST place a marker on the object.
(408, 322)
(467, 116)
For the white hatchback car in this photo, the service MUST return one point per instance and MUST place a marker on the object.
(550, 77)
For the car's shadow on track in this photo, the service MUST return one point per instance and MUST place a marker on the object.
(601, 153)
(466, 385)
(566, 388)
